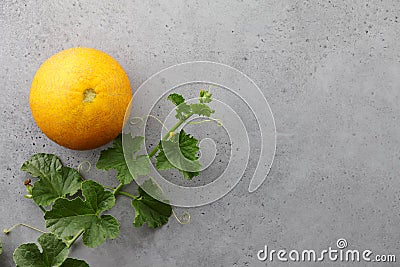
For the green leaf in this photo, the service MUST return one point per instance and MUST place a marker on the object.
(140, 166)
(201, 109)
(188, 144)
(70, 262)
(162, 162)
(56, 181)
(114, 158)
(42, 165)
(1, 247)
(183, 111)
(54, 252)
(189, 175)
(149, 210)
(180, 152)
(177, 99)
(149, 186)
(69, 217)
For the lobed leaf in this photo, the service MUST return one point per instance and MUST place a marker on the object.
(180, 152)
(184, 110)
(55, 180)
(149, 210)
(114, 158)
(68, 217)
(54, 252)
(176, 99)
(201, 109)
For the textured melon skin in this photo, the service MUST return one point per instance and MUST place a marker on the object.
(79, 98)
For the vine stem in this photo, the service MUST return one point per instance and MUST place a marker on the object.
(176, 126)
(126, 194)
(184, 219)
(7, 231)
(69, 244)
(109, 188)
(118, 188)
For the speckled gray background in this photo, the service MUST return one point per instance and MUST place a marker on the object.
(330, 71)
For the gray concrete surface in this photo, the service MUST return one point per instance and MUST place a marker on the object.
(330, 71)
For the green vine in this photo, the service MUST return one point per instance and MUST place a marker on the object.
(76, 208)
